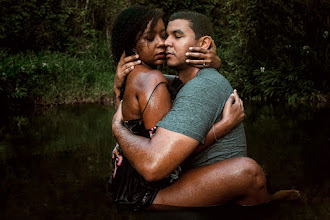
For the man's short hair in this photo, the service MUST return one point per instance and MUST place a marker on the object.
(199, 23)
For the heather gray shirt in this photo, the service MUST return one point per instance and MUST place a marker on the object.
(197, 106)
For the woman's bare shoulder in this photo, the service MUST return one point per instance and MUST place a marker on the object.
(142, 77)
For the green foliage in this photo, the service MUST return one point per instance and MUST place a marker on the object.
(58, 78)
(288, 38)
(57, 25)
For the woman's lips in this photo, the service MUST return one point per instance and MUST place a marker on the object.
(161, 55)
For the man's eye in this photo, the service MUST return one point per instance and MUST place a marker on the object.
(177, 36)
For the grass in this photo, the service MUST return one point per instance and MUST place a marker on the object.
(51, 78)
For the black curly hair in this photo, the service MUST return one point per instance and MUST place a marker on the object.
(129, 26)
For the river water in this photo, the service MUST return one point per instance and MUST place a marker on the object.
(54, 163)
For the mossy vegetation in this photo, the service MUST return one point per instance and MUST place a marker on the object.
(57, 52)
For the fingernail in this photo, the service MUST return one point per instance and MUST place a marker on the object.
(187, 54)
(137, 55)
(190, 48)
(187, 61)
(139, 61)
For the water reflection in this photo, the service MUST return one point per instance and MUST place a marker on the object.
(54, 162)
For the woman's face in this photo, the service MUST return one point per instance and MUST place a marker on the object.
(151, 45)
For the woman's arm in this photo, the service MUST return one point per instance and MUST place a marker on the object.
(232, 115)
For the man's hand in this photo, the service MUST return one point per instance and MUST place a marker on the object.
(202, 58)
(232, 115)
(234, 109)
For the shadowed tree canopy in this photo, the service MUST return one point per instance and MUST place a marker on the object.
(273, 49)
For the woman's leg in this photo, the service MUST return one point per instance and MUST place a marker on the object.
(238, 179)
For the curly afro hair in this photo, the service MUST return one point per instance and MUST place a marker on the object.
(129, 26)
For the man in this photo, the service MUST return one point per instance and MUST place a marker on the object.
(209, 178)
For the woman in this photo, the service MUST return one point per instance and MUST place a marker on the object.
(146, 100)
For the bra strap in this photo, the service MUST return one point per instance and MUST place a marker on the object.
(150, 97)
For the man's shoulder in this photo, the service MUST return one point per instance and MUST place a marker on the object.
(211, 74)
(209, 78)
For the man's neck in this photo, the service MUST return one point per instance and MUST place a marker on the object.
(188, 73)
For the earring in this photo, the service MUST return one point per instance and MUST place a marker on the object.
(135, 51)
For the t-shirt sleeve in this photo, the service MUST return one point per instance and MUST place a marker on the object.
(195, 109)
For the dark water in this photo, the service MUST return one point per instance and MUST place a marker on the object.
(54, 163)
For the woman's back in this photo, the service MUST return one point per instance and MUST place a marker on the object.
(146, 96)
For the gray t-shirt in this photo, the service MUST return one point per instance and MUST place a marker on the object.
(197, 106)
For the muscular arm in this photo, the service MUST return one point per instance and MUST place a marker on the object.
(153, 158)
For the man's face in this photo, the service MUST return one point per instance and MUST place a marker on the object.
(180, 38)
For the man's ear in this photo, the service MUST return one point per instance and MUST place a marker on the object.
(205, 42)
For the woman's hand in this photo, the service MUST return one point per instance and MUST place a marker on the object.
(202, 58)
(124, 67)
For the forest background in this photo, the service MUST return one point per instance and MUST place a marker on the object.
(58, 52)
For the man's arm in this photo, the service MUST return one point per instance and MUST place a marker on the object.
(153, 158)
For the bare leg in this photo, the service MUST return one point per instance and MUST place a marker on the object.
(240, 179)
